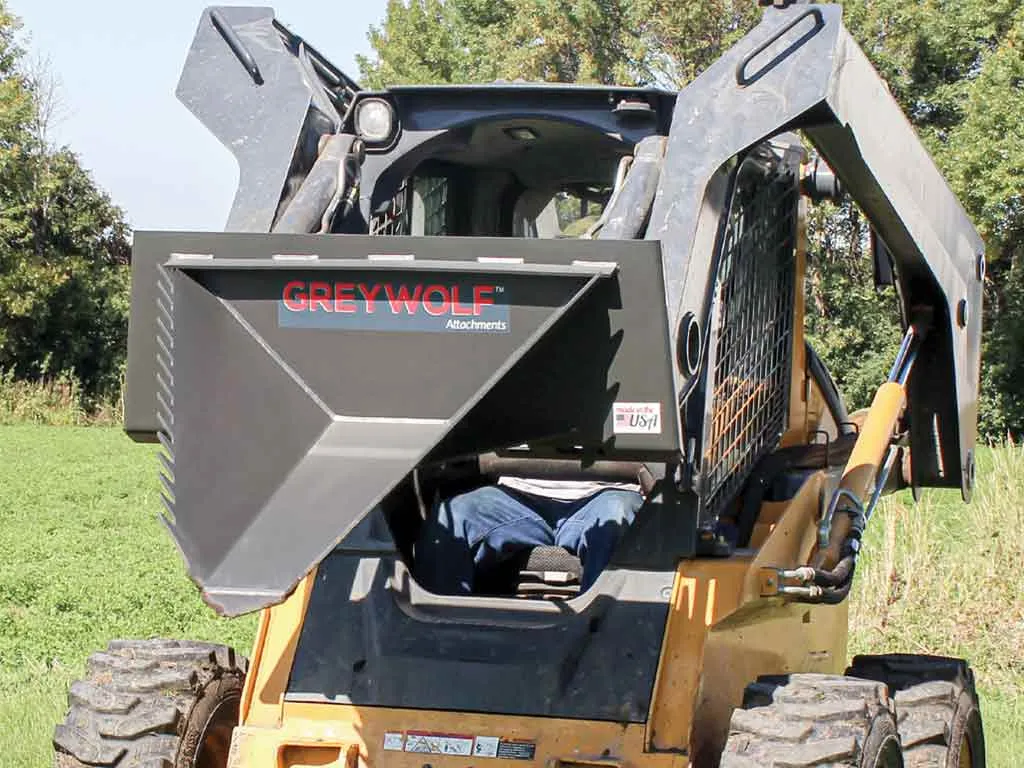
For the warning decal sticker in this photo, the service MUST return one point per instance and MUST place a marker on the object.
(486, 746)
(438, 743)
(423, 742)
(636, 418)
(516, 750)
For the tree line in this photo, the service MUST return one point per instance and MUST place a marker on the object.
(957, 69)
(64, 247)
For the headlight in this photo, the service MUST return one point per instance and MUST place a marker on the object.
(375, 120)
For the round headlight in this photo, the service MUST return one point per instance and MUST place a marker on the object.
(374, 120)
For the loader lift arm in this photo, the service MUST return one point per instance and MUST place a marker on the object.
(800, 69)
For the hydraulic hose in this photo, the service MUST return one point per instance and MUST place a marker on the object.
(830, 577)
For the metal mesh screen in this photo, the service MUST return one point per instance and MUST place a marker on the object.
(430, 202)
(750, 351)
(433, 192)
(393, 220)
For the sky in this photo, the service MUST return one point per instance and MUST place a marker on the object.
(117, 64)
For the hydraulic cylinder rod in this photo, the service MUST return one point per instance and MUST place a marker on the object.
(830, 575)
(870, 452)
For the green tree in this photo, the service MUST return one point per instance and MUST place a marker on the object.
(429, 41)
(673, 42)
(63, 245)
(958, 71)
(985, 161)
(623, 42)
(850, 323)
(419, 42)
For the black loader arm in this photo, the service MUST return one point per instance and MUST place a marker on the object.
(800, 69)
(268, 96)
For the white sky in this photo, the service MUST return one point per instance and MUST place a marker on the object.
(117, 63)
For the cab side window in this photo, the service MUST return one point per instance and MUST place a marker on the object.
(431, 206)
(560, 213)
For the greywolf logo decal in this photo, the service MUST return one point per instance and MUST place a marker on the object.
(460, 307)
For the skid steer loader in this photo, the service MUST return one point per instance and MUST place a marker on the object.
(422, 290)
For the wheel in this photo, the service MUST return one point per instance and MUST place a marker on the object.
(153, 704)
(806, 720)
(937, 708)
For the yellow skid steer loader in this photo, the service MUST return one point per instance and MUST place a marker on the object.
(424, 291)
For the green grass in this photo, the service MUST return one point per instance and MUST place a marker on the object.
(947, 578)
(84, 558)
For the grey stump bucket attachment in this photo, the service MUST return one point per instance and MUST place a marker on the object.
(302, 378)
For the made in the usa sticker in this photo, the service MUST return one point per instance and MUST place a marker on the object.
(636, 418)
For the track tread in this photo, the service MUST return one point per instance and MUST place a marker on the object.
(805, 721)
(132, 709)
(97, 699)
(927, 691)
(86, 747)
(155, 719)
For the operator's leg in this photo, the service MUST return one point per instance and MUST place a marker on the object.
(594, 529)
(474, 529)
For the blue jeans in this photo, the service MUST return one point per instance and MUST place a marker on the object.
(484, 526)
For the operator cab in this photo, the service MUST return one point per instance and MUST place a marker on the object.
(538, 161)
(500, 160)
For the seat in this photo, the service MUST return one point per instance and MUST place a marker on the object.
(545, 572)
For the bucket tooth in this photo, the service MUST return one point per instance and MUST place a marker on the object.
(167, 464)
(164, 354)
(168, 485)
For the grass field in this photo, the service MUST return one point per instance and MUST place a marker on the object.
(83, 558)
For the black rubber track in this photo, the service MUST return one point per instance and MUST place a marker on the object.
(936, 706)
(144, 703)
(808, 720)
